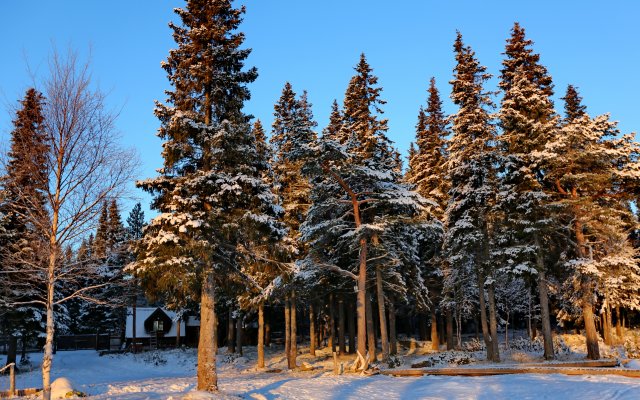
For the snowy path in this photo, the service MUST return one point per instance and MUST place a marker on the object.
(129, 377)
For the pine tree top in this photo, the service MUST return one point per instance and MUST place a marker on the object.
(26, 174)
(519, 54)
(333, 129)
(573, 107)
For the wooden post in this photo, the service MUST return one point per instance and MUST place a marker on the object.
(12, 380)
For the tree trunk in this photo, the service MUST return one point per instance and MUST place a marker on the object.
(593, 351)
(393, 341)
(47, 359)
(493, 321)
(371, 337)
(544, 309)
(483, 319)
(207, 376)
(352, 326)
(178, 333)
(261, 335)
(293, 349)
(435, 341)
(23, 354)
(449, 328)
(287, 328)
(422, 326)
(384, 337)
(332, 325)
(312, 330)
(341, 339)
(215, 333)
(267, 333)
(361, 307)
(231, 333)
(619, 325)
(239, 332)
(608, 323)
(12, 352)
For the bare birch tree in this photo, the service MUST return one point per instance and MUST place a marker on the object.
(86, 166)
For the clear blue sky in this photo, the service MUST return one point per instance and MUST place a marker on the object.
(315, 44)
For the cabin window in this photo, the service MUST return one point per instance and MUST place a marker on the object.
(158, 326)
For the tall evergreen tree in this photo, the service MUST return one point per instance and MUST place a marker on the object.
(427, 171)
(528, 122)
(292, 131)
(471, 172)
(214, 204)
(24, 186)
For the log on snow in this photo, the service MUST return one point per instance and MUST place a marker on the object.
(632, 373)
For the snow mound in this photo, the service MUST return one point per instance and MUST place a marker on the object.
(202, 395)
(60, 388)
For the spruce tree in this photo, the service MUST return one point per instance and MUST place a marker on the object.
(427, 171)
(528, 122)
(213, 204)
(24, 186)
(471, 172)
(292, 131)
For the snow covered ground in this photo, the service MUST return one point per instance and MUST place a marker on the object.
(171, 375)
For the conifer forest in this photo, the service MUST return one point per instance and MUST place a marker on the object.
(507, 238)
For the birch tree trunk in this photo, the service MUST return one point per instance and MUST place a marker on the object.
(47, 359)
(207, 376)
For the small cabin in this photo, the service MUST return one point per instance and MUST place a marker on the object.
(156, 327)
